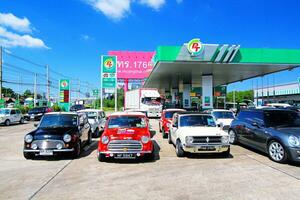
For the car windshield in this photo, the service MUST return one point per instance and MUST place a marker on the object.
(169, 114)
(91, 115)
(197, 120)
(36, 110)
(282, 119)
(52, 121)
(223, 115)
(127, 122)
(4, 111)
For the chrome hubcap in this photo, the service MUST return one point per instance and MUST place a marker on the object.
(231, 136)
(276, 151)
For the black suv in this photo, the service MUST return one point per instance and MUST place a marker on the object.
(77, 107)
(37, 113)
(273, 131)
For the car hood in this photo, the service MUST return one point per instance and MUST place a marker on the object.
(127, 133)
(2, 115)
(224, 121)
(289, 130)
(201, 131)
(53, 133)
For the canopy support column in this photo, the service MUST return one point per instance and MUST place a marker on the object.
(207, 91)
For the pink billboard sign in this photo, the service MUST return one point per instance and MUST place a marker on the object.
(133, 64)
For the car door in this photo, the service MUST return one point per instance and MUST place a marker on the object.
(18, 115)
(82, 134)
(86, 127)
(13, 115)
(174, 128)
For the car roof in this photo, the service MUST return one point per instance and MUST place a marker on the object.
(267, 109)
(61, 113)
(10, 108)
(173, 109)
(220, 110)
(90, 110)
(193, 113)
(127, 113)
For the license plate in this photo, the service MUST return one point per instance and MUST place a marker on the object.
(45, 152)
(207, 149)
(124, 156)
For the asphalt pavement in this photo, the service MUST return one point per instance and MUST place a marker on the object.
(246, 174)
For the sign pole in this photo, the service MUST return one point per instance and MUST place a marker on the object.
(101, 87)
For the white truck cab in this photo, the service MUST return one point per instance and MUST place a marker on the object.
(197, 133)
(10, 115)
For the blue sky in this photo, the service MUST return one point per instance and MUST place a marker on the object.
(70, 35)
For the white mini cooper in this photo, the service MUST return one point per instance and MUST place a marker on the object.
(197, 133)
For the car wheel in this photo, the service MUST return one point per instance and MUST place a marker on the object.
(22, 120)
(7, 122)
(89, 141)
(164, 135)
(101, 157)
(232, 137)
(169, 138)
(179, 151)
(96, 133)
(277, 152)
(77, 150)
(28, 156)
(226, 154)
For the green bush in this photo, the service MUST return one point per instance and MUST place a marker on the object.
(56, 108)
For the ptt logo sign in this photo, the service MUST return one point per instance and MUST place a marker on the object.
(64, 84)
(108, 63)
(195, 47)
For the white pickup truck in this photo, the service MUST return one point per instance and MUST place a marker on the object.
(197, 133)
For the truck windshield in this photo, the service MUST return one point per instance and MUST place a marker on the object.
(223, 115)
(197, 120)
(53, 121)
(151, 100)
(127, 122)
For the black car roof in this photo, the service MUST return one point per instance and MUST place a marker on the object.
(267, 109)
(190, 112)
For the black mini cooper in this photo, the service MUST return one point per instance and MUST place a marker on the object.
(58, 133)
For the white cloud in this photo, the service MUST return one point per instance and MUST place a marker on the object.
(86, 37)
(18, 24)
(114, 9)
(179, 1)
(10, 39)
(155, 4)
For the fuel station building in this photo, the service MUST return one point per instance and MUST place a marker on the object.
(178, 69)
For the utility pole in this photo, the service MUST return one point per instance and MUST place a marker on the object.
(35, 90)
(0, 72)
(48, 83)
(78, 89)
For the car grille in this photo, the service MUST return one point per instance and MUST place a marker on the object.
(125, 145)
(206, 139)
(47, 144)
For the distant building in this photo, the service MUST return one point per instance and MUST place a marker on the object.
(282, 93)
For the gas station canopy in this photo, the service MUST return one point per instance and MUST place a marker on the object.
(226, 63)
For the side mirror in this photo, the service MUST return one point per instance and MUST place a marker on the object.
(35, 124)
(152, 133)
(255, 124)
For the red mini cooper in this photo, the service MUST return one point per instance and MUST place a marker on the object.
(126, 136)
(166, 120)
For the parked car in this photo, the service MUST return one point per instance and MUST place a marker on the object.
(96, 119)
(270, 130)
(166, 120)
(77, 107)
(197, 133)
(35, 114)
(221, 116)
(11, 115)
(58, 133)
(126, 136)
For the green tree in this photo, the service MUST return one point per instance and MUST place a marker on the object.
(27, 94)
(240, 96)
(8, 92)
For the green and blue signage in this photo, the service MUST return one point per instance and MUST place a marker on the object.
(64, 94)
(109, 72)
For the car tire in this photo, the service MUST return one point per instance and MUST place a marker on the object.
(164, 135)
(89, 141)
(169, 139)
(160, 130)
(7, 122)
(101, 157)
(96, 133)
(77, 150)
(232, 137)
(277, 152)
(28, 156)
(226, 154)
(178, 148)
(22, 120)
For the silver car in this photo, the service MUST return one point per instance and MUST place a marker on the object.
(96, 119)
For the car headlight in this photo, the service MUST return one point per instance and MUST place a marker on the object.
(67, 138)
(145, 139)
(225, 139)
(105, 139)
(28, 138)
(39, 114)
(189, 139)
(294, 141)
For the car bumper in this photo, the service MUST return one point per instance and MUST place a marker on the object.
(54, 150)
(294, 154)
(206, 148)
(150, 114)
(130, 152)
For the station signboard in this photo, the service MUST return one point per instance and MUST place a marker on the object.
(64, 94)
